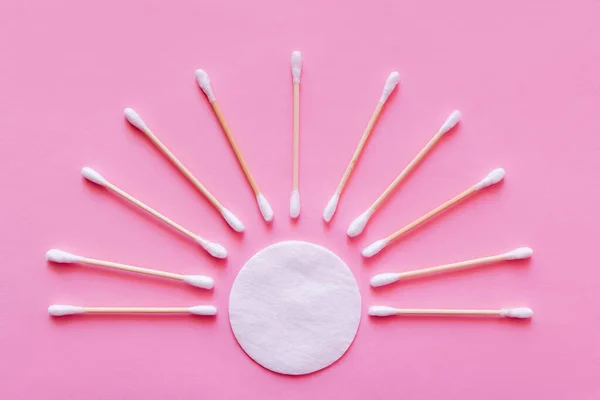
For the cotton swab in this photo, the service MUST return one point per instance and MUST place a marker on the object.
(59, 310)
(296, 62)
(357, 226)
(387, 278)
(214, 249)
(63, 257)
(135, 120)
(385, 311)
(492, 178)
(390, 84)
(263, 204)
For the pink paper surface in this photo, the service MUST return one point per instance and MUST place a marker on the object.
(525, 76)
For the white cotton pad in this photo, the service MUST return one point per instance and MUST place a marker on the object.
(295, 308)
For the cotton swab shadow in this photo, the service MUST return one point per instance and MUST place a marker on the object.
(369, 261)
(154, 282)
(452, 275)
(456, 319)
(101, 191)
(179, 176)
(430, 224)
(107, 319)
(385, 206)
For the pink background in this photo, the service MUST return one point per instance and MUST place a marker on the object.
(525, 76)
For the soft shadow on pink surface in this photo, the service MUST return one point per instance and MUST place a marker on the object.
(458, 320)
(163, 137)
(430, 224)
(116, 319)
(454, 277)
(134, 279)
(101, 191)
(385, 208)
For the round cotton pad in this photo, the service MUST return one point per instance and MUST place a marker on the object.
(295, 307)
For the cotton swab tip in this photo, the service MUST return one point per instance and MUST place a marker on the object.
(390, 83)
(382, 311)
(384, 279)
(518, 254)
(295, 204)
(451, 122)
(135, 119)
(200, 281)
(204, 83)
(57, 310)
(214, 249)
(331, 207)
(93, 176)
(264, 207)
(296, 62)
(358, 225)
(232, 220)
(59, 256)
(491, 179)
(520, 312)
(203, 310)
(374, 248)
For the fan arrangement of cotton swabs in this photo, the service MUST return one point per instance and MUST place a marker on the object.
(356, 227)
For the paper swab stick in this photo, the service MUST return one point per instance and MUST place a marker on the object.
(263, 204)
(135, 120)
(390, 84)
(391, 277)
(384, 311)
(59, 310)
(296, 62)
(62, 257)
(492, 178)
(357, 226)
(214, 249)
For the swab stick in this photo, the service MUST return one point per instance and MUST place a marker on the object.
(135, 120)
(296, 62)
(492, 178)
(214, 249)
(385, 311)
(390, 84)
(59, 310)
(63, 257)
(263, 204)
(358, 225)
(387, 278)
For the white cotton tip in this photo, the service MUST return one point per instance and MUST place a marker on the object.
(519, 254)
(382, 311)
(93, 176)
(59, 256)
(232, 220)
(214, 249)
(57, 310)
(204, 83)
(331, 207)
(264, 207)
(520, 312)
(358, 225)
(390, 84)
(384, 279)
(374, 248)
(491, 179)
(203, 310)
(295, 204)
(200, 281)
(296, 62)
(135, 120)
(450, 122)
